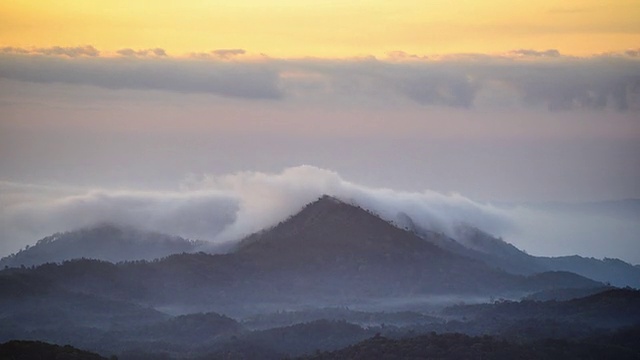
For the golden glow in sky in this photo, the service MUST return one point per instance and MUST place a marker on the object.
(325, 28)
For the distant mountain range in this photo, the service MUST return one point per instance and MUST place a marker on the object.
(330, 255)
(329, 252)
(477, 244)
(106, 242)
(331, 235)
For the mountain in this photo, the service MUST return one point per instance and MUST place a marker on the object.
(103, 242)
(329, 253)
(613, 271)
(340, 245)
(474, 243)
(334, 239)
(330, 236)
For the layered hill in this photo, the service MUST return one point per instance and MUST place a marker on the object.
(471, 242)
(106, 242)
(326, 231)
(341, 245)
(345, 246)
(330, 252)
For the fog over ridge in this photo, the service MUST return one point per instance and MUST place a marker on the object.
(225, 208)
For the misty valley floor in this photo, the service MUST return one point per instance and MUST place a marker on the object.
(599, 326)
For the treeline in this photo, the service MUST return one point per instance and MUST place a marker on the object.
(621, 345)
(29, 350)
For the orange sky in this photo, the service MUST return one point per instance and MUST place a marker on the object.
(325, 28)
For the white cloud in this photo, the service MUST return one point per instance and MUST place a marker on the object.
(223, 209)
(229, 207)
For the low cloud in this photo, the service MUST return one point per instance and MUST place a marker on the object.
(196, 215)
(224, 208)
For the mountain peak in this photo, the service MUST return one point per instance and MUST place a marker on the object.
(332, 225)
(331, 241)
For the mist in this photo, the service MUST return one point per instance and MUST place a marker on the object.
(223, 209)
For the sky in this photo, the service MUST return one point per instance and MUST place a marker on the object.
(506, 104)
(325, 28)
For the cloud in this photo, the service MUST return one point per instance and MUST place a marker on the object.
(592, 84)
(432, 88)
(547, 81)
(224, 208)
(246, 80)
(156, 52)
(266, 199)
(633, 52)
(228, 53)
(74, 51)
(228, 207)
(196, 215)
(221, 54)
(399, 55)
(534, 78)
(534, 53)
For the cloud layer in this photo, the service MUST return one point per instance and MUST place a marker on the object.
(224, 209)
(522, 77)
(137, 70)
(67, 51)
(227, 208)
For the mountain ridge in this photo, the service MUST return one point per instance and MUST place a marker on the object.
(474, 243)
(117, 243)
(104, 241)
(330, 254)
(330, 250)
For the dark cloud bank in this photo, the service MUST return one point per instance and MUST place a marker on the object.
(137, 71)
(523, 77)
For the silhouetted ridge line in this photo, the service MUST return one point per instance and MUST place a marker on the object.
(105, 241)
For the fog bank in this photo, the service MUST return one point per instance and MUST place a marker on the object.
(225, 208)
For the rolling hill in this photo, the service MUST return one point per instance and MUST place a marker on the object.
(106, 242)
